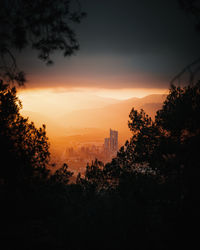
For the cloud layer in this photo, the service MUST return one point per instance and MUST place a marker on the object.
(124, 44)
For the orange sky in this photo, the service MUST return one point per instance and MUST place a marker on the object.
(57, 101)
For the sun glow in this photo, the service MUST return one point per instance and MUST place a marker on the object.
(58, 102)
(55, 101)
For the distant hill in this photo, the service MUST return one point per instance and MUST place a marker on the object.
(113, 116)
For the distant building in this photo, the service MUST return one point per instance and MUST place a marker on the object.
(111, 143)
(113, 140)
(107, 144)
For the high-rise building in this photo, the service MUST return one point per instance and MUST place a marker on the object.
(111, 143)
(113, 140)
(107, 144)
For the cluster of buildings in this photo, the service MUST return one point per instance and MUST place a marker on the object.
(80, 155)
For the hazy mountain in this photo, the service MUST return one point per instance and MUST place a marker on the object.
(113, 116)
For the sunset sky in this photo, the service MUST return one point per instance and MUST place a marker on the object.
(127, 48)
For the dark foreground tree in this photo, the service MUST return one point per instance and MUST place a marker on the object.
(24, 149)
(61, 176)
(180, 119)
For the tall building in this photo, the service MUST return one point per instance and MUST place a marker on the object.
(111, 143)
(107, 144)
(113, 140)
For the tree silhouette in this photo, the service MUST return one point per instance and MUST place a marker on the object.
(179, 118)
(24, 149)
(95, 178)
(62, 175)
(179, 114)
(42, 25)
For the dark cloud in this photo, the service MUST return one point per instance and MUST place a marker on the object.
(124, 43)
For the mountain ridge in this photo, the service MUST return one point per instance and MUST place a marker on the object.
(111, 116)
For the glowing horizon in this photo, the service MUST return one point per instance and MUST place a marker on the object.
(57, 101)
(118, 93)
